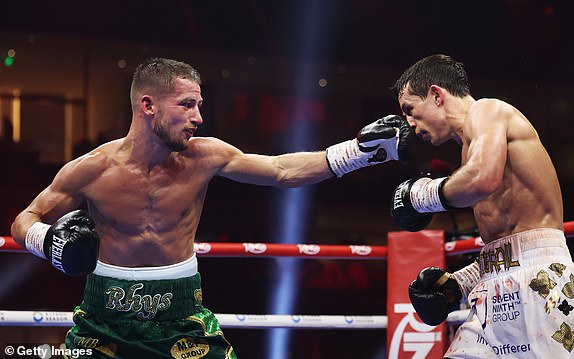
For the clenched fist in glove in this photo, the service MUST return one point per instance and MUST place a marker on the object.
(434, 294)
(388, 138)
(415, 200)
(71, 244)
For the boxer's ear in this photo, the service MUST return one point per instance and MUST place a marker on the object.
(147, 105)
(437, 94)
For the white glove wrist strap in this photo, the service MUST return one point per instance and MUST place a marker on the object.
(467, 278)
(346, 157)
(425, 195)
(35, 238)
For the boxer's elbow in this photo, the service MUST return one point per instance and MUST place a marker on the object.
(470, 186)
(287, 176)
(285, 180)
(484, 185)
(18, 232)
(300, 173)
(293, 179)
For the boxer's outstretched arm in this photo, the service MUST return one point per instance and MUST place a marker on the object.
(284, 171)
(389, 138)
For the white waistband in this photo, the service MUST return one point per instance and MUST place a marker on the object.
(530, 240)
(187, 268)
(532, 247)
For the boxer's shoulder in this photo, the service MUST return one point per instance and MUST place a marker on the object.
(211, 149)
(89, 166)
(491, 109)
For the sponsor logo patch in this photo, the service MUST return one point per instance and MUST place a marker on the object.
(190, 348)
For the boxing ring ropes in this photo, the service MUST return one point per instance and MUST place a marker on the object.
(261, 250)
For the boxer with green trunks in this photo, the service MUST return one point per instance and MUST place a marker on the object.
(147, 312)
(144, 194)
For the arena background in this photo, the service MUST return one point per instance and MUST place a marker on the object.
(268, 68)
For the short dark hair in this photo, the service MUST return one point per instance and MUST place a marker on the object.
(157, 75)
(441, 70)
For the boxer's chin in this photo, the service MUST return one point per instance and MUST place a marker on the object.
(179, 146)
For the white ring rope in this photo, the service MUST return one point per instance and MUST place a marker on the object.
(254, 321)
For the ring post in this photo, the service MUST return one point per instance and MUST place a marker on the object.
(407, 335)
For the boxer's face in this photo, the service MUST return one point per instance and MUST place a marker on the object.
(177, 115)
(425, 116)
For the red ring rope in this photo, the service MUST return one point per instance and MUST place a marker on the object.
(7, 244)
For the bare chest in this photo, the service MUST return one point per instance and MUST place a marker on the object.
(130, 197)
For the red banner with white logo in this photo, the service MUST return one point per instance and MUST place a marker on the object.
(407, 336)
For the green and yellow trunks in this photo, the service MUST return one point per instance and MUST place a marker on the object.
(164, 318)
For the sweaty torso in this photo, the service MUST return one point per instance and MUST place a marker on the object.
(530, 195)
(146, 217)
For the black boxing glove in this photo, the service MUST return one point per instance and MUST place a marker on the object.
(71, 243)
(415, 200)
(406, 148)
(388, 138)
(434, 294)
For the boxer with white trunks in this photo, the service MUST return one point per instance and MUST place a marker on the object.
(521, 289)
(522, 305)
